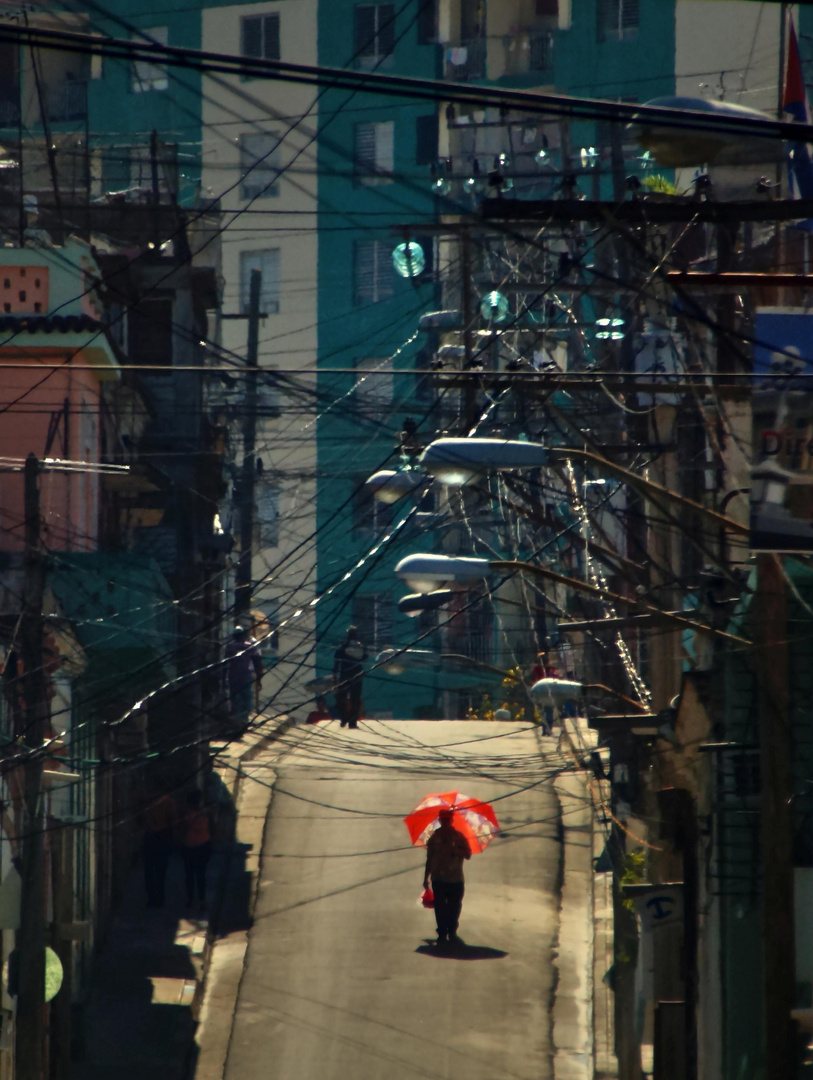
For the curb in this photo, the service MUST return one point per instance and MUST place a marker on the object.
(235, 768)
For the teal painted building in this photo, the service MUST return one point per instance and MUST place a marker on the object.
(374, 167)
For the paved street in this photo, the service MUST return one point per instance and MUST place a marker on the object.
(339, 981)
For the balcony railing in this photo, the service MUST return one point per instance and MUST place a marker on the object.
(540, 51)
(9, 113)
(528, 51)
(466, 60)
(67, 100)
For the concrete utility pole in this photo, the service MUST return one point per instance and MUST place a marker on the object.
(776, 819)
(30, 1043)
(242, 599)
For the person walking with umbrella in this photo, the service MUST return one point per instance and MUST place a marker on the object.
(348, 672)
(453, 827)
(446, 851)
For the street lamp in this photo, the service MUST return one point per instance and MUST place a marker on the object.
(390, 486)
(458, 461)
(415, 603)
(427, 573)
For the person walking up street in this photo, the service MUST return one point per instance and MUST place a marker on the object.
(158, 822)
(244, 671)
(348, 672)
(196, 830)
(446, 851)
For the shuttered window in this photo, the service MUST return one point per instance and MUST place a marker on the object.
(373, 273)
(617, 19)
(374, 26)
(260, 37)
(374, 153)
(259, 164)
(373, 615)
(267, 262)
(428, 22)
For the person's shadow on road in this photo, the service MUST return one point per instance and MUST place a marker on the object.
(460, 951)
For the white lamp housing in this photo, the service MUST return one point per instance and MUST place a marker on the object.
(425, 573)
(396, 661)
(390, 486)
(554, 690)
(414, 603)
(457, 461)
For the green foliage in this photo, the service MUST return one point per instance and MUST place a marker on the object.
(659, 184)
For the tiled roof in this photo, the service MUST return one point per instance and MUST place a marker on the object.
(48, 324)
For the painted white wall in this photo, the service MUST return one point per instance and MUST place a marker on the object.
(288, 339)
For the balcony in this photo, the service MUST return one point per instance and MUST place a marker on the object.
(67, 100)
(466, 61)
(528, 52)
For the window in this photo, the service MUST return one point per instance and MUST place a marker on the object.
(267, 501)
(371, 517)
(259, 153)
(428, 22)
(617, 19)
(374, 151)
(426, 140)
(373, 617)
(145, 74)
(374, 390)
(149, 332)
(374, 33)
(373, 271)
(267, 262)
(166, 169)
(259, 37)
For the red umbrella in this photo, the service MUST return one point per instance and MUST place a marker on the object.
(476, 820)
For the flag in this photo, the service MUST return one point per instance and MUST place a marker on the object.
(794, 101)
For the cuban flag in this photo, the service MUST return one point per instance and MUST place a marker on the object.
(794, 101)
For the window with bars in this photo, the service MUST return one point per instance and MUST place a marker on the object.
(259, 37)
(372, 271)
(267, 262)
(145, 74)
(267, 502)
(374, 151)
(617, 19)
(259, 153)
(374, 34)
(371, 517)
(373, 615)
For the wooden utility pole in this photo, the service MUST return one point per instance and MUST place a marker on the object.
(30, 1043)
(242, 597)
(778, 938)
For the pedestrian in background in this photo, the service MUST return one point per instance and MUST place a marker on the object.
(446, 850)
(196, 831)
(348, 672)
(244, 672)
(321, 712)
(157, 820)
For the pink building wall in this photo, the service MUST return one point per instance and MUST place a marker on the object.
(69, 502)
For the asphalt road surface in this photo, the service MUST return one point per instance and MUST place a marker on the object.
(340, 981)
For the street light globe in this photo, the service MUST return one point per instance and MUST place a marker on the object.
(494, 307)
(425, 573)
(389, 486)
(551, 690)
(409, 260)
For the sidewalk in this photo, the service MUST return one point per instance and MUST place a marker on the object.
(586, 923)
(141, 1016)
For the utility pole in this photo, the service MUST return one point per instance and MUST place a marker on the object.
(242, 599)
(30, 1047)
(776, 820)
